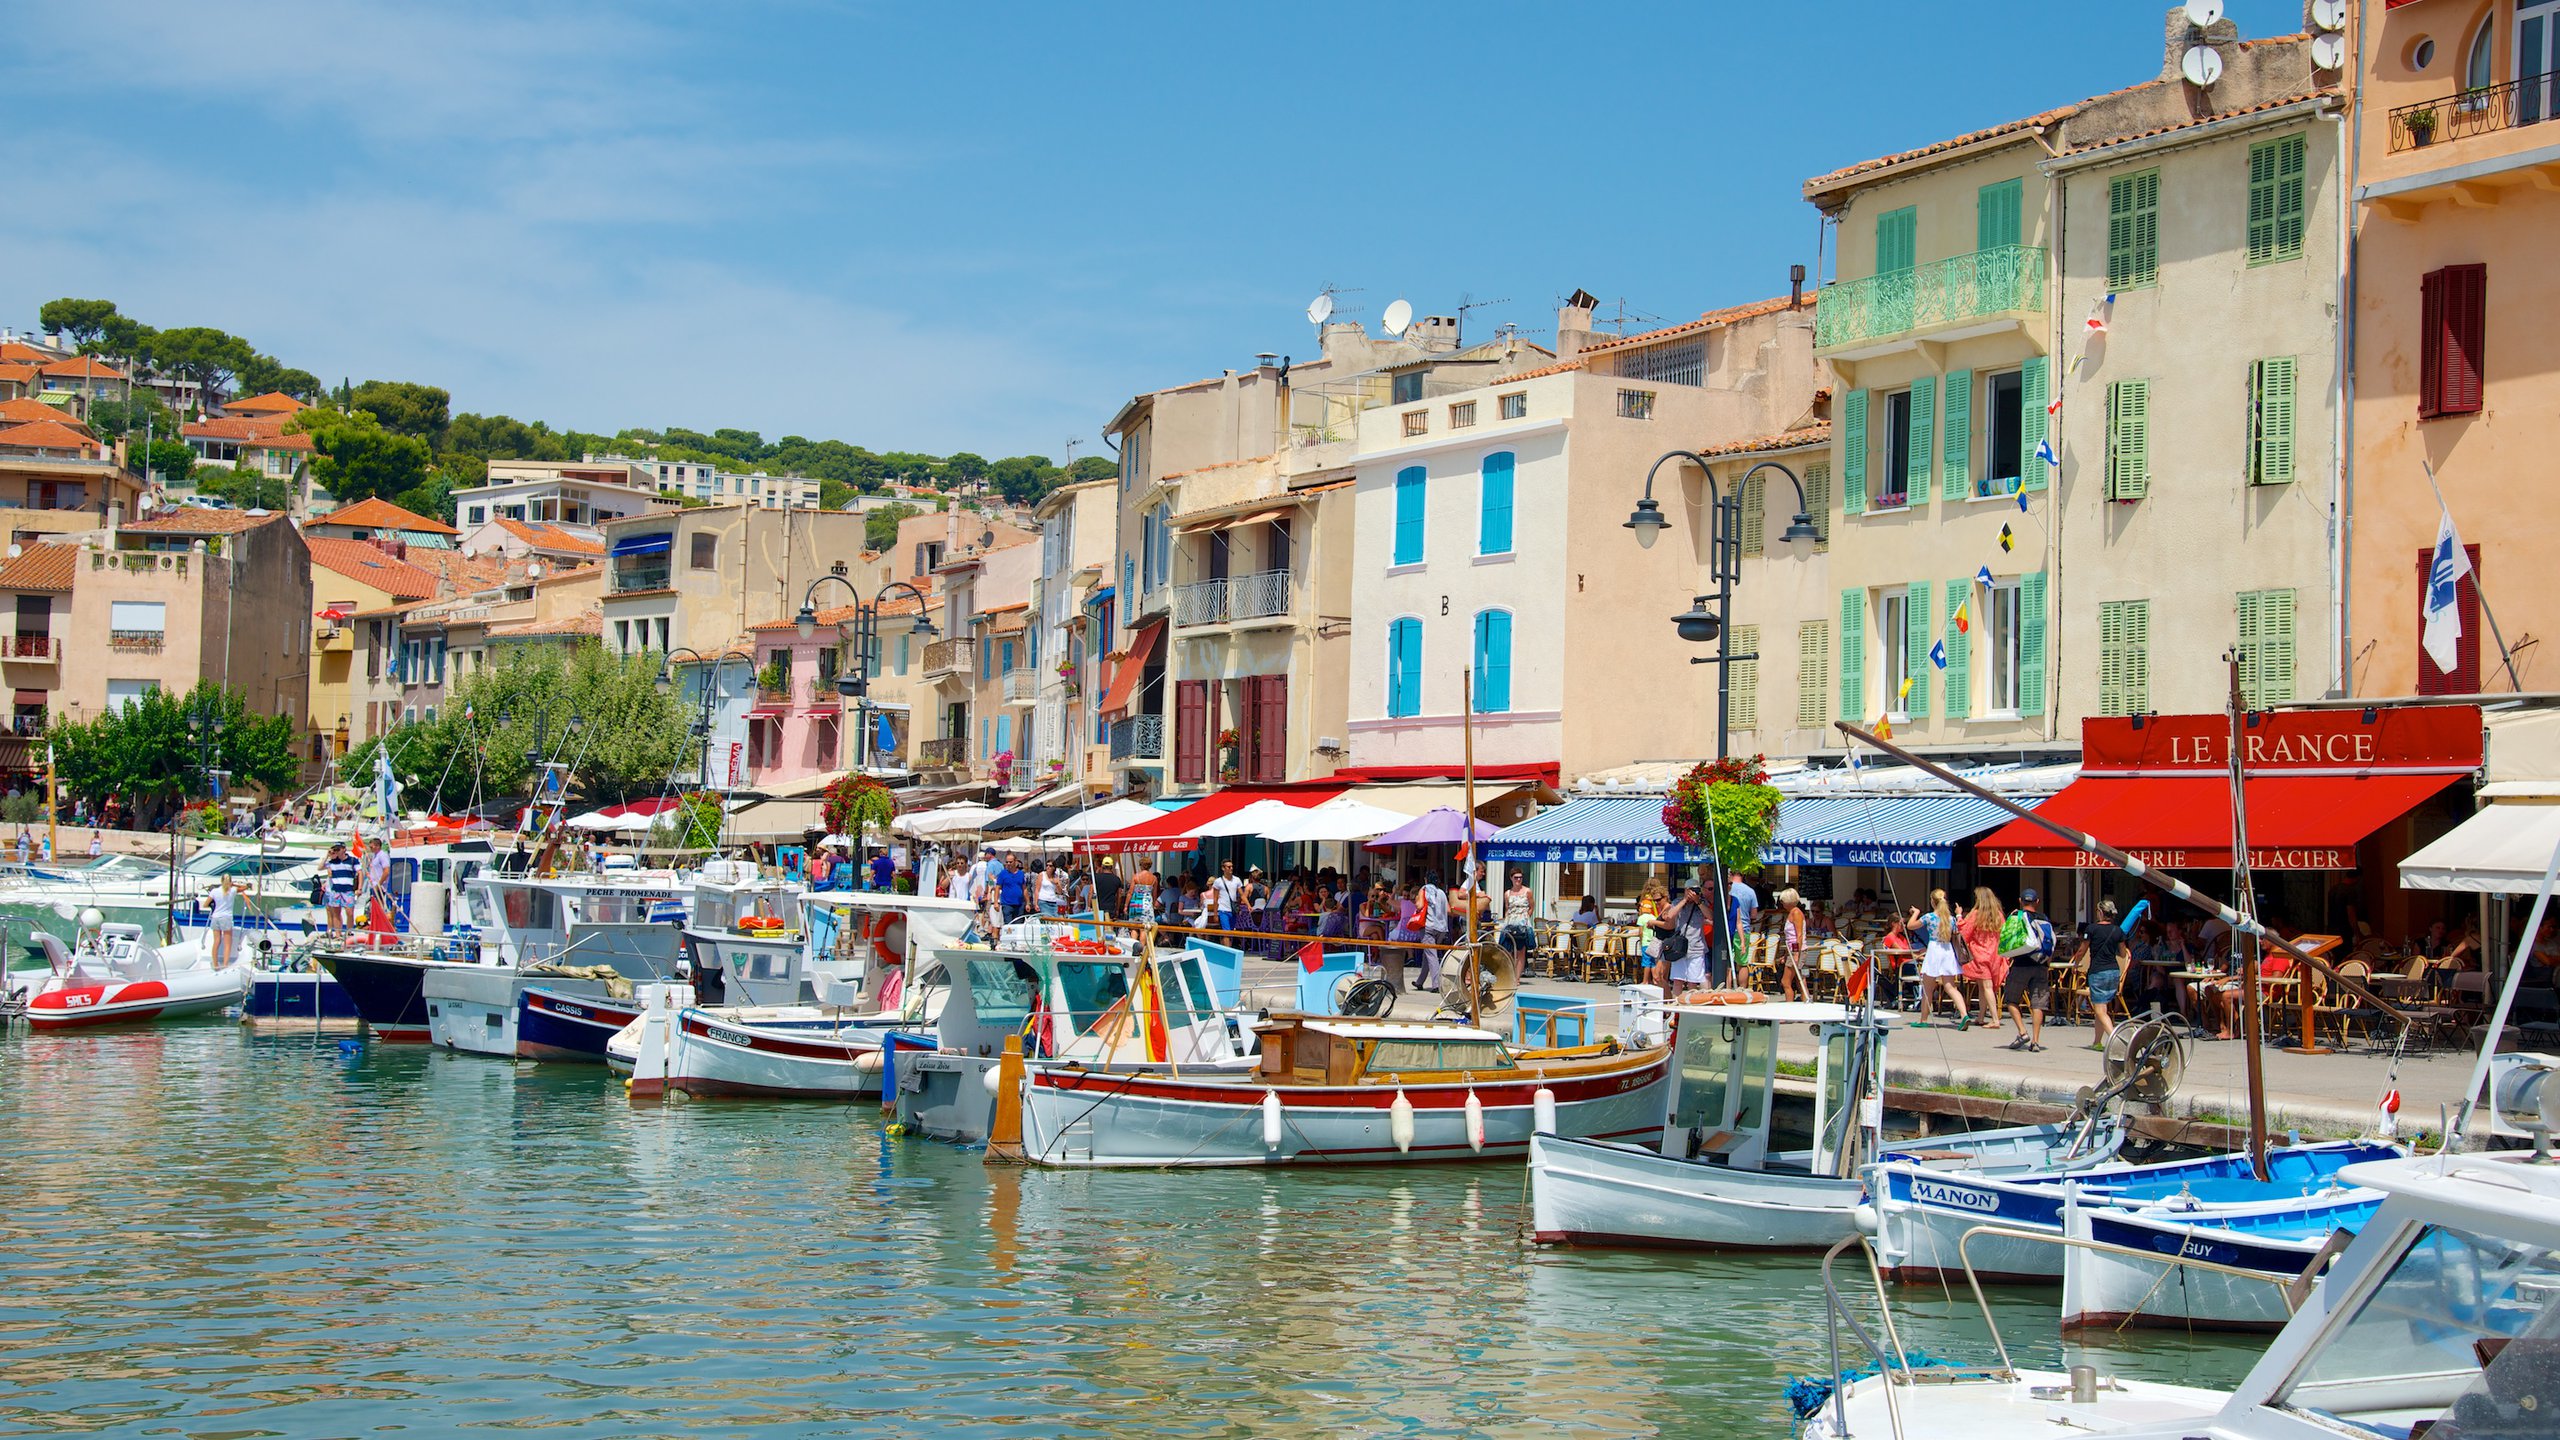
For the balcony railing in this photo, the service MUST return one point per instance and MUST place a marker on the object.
(1140, 737)
(137, 641)
(773, 697)
(628, 579)
(1021, 686)
(947, 752)
(2525, 100)
(1258, 596)
(34, 647)
(944, 656)
(1944, 292)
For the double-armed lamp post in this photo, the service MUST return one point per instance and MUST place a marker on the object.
(1698, 623)
(854, 683)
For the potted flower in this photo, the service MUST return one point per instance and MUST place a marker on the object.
(2421, 125)
(856, 804)
(1067, 677)
(1000, 767)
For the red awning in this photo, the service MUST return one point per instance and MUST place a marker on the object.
(1131, 668)
(1172, 831)
(2183, 822)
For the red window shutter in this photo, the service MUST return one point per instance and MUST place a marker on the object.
(1217, 698)
(2466, 304)
(1190, 731)
(2464, 677)
(1271, 728)
(2431, 344)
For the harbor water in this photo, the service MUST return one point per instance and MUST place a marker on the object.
(206, 1232)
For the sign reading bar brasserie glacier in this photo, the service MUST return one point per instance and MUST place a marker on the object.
(2153, 787)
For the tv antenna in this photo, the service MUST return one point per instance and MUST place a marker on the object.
(1466, 303)
(1322, 308)
(1625, 317)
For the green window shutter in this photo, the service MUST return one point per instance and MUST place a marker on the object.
(2266, 648)
(1853, 452)
(2031, 422)
(1813, 674)
(1924, 437)
(2031, 644)
(1897, 240)
(1817, 502)
(2133, 230)
(2128, 439)
(2124, 657)
(1743, 690)
(2291, 167)
(1915, 642)
(2271, 421)
(1996, 214)
(1755, 515)
(1955, 442)
(2276, 200)
(1959, 652)
(1853, 655)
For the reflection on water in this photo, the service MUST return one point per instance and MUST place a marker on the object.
(208, 1233)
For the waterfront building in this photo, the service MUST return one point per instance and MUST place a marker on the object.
(1071, 605)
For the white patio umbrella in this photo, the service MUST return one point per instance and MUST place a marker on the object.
(598, 821)
(953, 819)
(1340, 818)
(1255, 819)
(1102, 820)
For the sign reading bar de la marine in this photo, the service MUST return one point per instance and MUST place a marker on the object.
(2319, 782)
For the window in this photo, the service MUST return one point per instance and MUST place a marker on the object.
(1493, 525)
(622, 636)
(2275, 200)
(1742, 688)
(2002, 640)
(1996, 214)
(1893, 629)
(1666, 364)
(138, 617)
(121, 693)
(2478, 72)
(2266, 648)
(1635, 404)
(1407, 388)
(1412, 487)
(1462, 415)
(1813, 674)
(2128, 439)
(1897, 235)
(2464, 677)
(1404, 668)
(1515, 406)
(1417, 422)
(1893, 491)
(1493, 662)
(663, 646)
(2003, 432)
(2124, 657)
(2271, 408)
(479, 515)
(706, 552)
(2453, 333)
(2133, 230)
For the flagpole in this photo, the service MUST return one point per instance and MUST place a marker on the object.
(2505, 660)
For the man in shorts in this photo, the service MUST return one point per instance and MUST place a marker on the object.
(339, 893)
(2030, 983)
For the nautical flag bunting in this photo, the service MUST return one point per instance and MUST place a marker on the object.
(1937, 656)
(2008, 540)
(1983, 575)
(2045, 452)
(1964, 625)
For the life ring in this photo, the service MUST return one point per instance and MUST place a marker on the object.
(1725, 997)
(759, 922)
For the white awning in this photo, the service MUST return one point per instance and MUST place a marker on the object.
(2503, 850)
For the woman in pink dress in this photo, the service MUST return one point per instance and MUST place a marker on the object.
(1980, 932)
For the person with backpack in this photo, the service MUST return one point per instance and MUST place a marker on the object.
(2026, 941)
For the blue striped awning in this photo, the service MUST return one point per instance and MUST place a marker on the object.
(1900, 832)
(657, 544)
(1617, 829)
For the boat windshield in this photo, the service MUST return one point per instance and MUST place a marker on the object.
(1090, 989)
(2462, 1336)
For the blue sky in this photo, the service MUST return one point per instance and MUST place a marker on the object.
(953, 227)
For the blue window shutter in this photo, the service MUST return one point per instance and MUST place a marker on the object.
(1493, 662)
(1853, 453)
(1493, 531)
(1004, 732)
(1411, 484)
(1008, 655)
(1404, 667)
(2032, 399)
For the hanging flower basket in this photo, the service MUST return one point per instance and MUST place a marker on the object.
(1728, 807)
(856, 802)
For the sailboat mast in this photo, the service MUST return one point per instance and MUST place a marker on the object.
(1467, 847)
(2246, 897)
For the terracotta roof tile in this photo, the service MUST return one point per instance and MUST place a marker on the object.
(1990, 132)
(1731, 314)
(586, 622)
(381, 514)
(233, 427)
(193, 520)
(18, 370)
(1538, 374)
(23, 411)
(274, 402)
(40, 567)
(365, 561)
(544, 536)
(456, 573)
(20, 352)
(86, 367)
(52, 434)
(1797, 439)
(282, 442)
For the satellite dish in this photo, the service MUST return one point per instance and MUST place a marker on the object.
(2203, 14)
(2328, 52)
(1398, 316)
(1320, 309)
(2329, 14)
(2202, 66)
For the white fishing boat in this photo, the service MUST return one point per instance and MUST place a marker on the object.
(144, 890)
(594, 937)
(1712, 1179)
(114, 976)
(2138, 1268)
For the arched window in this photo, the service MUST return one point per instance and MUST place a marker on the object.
(1493, 662)
(2477, 71)
(1404, 668)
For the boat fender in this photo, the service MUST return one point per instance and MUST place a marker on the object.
(994, 1079)
(1400, 1122)
(867, 1063)
(1863, 1216)
(1271, 1119)
(1475, 1122)
(1542, 1111)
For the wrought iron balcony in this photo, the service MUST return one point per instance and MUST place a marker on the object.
(631, 579)
(1202, 604)
(944, 657)
(1021, 685)
(1140, 737)
(1258, 596)
(34, 647)
(2525, 100)
(948, 752)
(1941, 294)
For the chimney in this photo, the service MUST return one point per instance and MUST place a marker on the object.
(1795, 287)
(1573, 323)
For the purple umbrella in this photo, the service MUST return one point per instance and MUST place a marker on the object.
(1438, 826)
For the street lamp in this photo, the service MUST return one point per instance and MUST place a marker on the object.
(1710, 617)
(855, 683)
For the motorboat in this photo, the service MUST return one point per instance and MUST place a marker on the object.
(143, 891)
(114, 976)
(286, 985)
(1712, 1178)
(2441, 1318)
(580, 939)
(2139, 1267)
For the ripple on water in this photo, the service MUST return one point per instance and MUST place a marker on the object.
(211, 1234)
